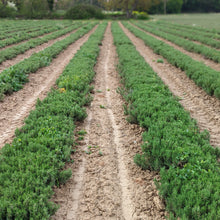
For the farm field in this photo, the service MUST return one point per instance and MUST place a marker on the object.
(209, 21)
(109, 120)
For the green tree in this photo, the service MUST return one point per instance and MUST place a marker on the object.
(50, 4)
(18, 4)
(201, 6)
(35, 8)
(174, 6)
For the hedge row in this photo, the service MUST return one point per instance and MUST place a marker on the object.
(13, 78)
(12, 52)
(204, 76)
(34, 162)
(189, 172)
(207, 52)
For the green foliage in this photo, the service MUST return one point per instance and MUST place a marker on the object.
(13, 78)
(189, 34)
(204, 76)
(82, 11)
(34, 162)
(156, 29)
(140, 15)
(6, 11)
(25, 36)
(12, 52)
(35, 9)
(201, 6)
(174, 6)
(173, 144)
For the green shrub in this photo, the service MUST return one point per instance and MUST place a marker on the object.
(140, 15)
(34, 162)
(173, 144)
(6, 11)
(82, 11)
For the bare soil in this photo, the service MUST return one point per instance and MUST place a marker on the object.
(106, 184)
(202, 107)
(15, 108)
(195, 56)
(28, 53)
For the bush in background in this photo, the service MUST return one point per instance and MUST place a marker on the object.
(7, 11)
(140, 15)
(84, 11)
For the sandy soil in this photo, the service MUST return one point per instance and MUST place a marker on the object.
(28, 53)
(195, 56)
(15, 108)
(106, 184)
(204, 108)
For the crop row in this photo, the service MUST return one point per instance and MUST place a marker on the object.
(12, 52)
(26, 36)
(34, 162)
(13, 78)
(189, 30)
(20, 32)
(186, 34)
(207, 52)
(189, 172)
(16, 25)
(30, 28)
(214, 32)
(204, 76)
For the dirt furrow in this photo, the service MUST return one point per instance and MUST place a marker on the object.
(195, 56)
(113, 186)
(15, 108)
(204, 108)
(28, 53)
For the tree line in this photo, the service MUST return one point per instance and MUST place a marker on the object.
(38, 8)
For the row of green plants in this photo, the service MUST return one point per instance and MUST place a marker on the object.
(194, 28)
(190, 30)
(7, 26)
(187, 34)
(13, 78)
(204, 76)
(208, 52)
(35, 160)
(27, 35)
(18, 32)
(12, 52)
(189, 172)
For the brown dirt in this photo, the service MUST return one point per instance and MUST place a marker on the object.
(15, 108)
(204, 108)
(106, 184)
(28, 53)
(195, 56)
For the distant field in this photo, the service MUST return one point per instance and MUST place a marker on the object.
(204, 20)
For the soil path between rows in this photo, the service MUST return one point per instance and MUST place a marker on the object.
(195, 56)
(15, 108)
(28, 53)
(202, 107)
(106, 184)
